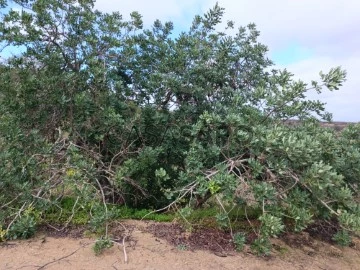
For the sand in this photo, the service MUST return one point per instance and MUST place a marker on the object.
(145, 251)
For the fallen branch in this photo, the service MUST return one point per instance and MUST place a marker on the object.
(105, 206)
(322, 202)
(190, 189)
(127, 233)
(124, 249)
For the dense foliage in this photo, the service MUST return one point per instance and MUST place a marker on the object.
(97, 109)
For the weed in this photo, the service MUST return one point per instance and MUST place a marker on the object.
(239, 241)
(101, 244)
(23, 228)
(3, 234)
(342, 238)
(261, 246)
(182, 247)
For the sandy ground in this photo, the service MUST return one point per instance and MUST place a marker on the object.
(146, 251)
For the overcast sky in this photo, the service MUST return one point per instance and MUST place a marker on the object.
(304, 36)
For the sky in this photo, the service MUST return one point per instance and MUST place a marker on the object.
(303, 36)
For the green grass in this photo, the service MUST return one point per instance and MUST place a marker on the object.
(124, 212)
(54, 215)
(201, 217)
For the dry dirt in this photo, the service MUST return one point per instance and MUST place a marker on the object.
(150, 247)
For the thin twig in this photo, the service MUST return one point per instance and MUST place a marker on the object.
(172, 203)
(227, 215)
(247, 218)
(3, 206)
(322, 202)
(64, 257)
(17, 215)
(72, 213)
(105, 206)
(184, 218)
(297, 180)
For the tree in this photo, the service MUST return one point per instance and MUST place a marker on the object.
(137, 117)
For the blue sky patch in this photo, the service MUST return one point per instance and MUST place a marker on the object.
(290, 54)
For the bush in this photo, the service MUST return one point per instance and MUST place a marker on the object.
(152, 121)
(23, 228)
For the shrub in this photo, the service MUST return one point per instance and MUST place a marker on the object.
(107, 113)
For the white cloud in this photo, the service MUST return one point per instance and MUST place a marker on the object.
(329, 30)
(344, 103)
(311, 23)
